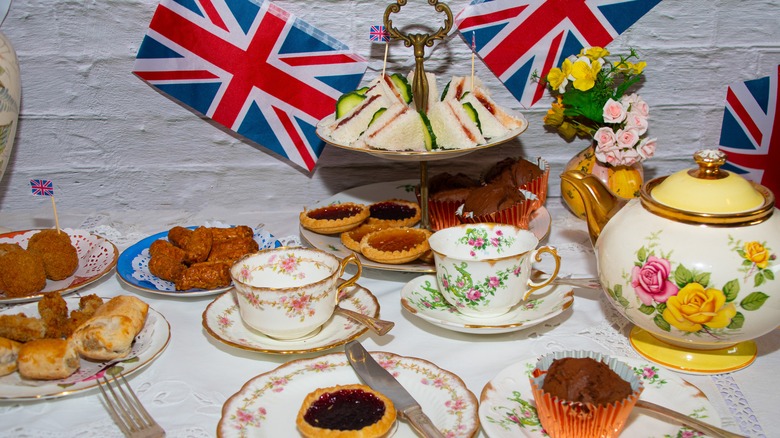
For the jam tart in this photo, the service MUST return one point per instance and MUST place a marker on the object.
(394, 213)
(334, 219)
(351, 239)
(395, 245)
(346, 411)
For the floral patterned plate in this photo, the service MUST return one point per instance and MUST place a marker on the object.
(222, 320)
(268, 404)
(507, 408)
(147, 346)
(421, 297)
(404, 189)
(133, 267)
(97, 256)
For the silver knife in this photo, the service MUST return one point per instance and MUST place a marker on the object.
(379, 379)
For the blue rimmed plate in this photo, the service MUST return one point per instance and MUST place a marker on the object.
(133, 267)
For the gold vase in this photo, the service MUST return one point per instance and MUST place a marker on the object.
(623, 181)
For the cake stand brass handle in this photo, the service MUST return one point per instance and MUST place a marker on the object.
(376, 325)
(692, 423)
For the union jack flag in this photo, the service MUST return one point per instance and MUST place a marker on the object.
(750, 133)
(252, 67)
(42, 187)
(378, 33)
(519, 37)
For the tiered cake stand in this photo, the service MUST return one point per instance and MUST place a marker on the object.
(420, 92)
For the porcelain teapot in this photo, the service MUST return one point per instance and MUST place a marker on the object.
(693, 260)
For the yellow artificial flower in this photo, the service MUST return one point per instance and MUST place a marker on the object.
(567, 130)
(554, 115)
(585, 73)
(757, 253)
(630, 67)
(594, 53)
(694, 306)
(559, 77)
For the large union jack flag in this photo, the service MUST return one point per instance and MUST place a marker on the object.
(750, 133)
(516, 38)
(249, 66)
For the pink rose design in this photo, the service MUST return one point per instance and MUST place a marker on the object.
(651, 281)
(614, 112)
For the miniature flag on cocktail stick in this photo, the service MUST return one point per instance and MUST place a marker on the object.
(379, 33)
(44, 187)
(473, 55)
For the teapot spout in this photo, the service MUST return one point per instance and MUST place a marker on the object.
(600, 203)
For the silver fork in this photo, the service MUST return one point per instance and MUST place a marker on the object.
(126, 410)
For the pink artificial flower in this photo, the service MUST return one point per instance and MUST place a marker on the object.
(646, 148)
(626, 138)
(614, 111)
(605, 139)
(651, 281)
(636, 121)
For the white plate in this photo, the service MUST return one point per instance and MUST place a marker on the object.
(507, 406)
(404, 189)
(442, 154)
(268, 404)
(133, 267)
(97, 256)
(421, 297)
(148, 344)
(222, 320)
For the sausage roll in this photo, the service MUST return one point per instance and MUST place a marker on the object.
(110, 332)
(47, 359)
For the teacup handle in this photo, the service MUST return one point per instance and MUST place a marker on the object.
(352, 280)
(537, 256)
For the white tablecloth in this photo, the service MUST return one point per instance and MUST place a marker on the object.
(185, 388)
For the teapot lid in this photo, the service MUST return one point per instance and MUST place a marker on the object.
(708, 189)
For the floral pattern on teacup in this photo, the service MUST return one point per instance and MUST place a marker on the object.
(683, 298)
(297, 305)
(287, 264)
(482, 242)
(473, 293)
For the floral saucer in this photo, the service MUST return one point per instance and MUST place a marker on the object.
(222, 320)
(266, 406)
(421, 297)
(507, 407)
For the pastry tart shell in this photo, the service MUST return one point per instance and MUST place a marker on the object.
(396, 223)
(351, 239)
(395, 245)
(381, 428)
(347, 216)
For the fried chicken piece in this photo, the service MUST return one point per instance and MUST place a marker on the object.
(87, 307)
(179, 236)
(198, 246)
(230, 251)
(167, 261)
(60, 258)
(21, 273)
(205, 275)
(21, 328)
(54, 313)
(237, 232)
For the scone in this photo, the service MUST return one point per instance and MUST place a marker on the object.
(110, 332)
(47, 359)
(347, 411)
(334, 219)
(9, 351)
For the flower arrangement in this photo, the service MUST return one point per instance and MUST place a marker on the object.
(591, 101)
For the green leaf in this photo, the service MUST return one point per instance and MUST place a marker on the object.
(731, 290)
(703, 279)
(682, 276)
(737, 321)
(661, 323)
(647, 310)
(661, 307)
(754, 301)
(758, 280)
(768, 274)
(642, 254)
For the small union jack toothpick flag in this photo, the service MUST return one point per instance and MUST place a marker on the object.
(251, 67)
(379, 34)
(42, 187)
(520, 37)
(750, 133)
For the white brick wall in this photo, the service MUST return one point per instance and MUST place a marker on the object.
(110, 142)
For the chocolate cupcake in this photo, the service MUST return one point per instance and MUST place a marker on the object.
(584, 394)
(447, 192)
(499, 203)
(521, 173)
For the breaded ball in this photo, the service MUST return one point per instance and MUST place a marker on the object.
(21, 274)
(8, 247)
(60, 258)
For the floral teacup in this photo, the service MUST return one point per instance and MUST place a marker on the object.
(289, 293)
(483, 269)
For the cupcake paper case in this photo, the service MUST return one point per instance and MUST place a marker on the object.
(565, 419)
